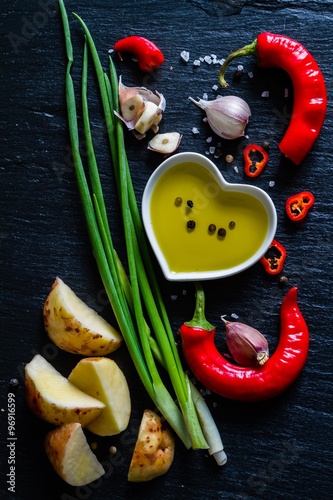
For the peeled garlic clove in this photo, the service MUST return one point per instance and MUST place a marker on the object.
(132, 107)
(151, 116)
(130, 100)
(246, 344)
(227, 115)
(165, 143)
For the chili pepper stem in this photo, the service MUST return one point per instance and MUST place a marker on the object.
(247, 50)
(199, 319)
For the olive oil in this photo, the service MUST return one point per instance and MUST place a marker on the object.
(187, 204)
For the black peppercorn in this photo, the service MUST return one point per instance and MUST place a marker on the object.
(221, 232)
(190, 224)
(178, 201)
(190, 203)
(232, 224)
(211, 228)
(265, 146)
(237, 75)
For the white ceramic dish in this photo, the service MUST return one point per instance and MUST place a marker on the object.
(207, 164)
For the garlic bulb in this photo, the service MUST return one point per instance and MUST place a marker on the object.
(247, 346)
(227, 115)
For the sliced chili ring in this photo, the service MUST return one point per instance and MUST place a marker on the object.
(298, 205)
(254, 167)
(274, 258)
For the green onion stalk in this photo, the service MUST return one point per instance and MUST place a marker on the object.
(131, 294)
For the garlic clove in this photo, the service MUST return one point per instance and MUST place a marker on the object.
(130, 124)
(151, 115)
(132, 107)
(225, 126)
(165, 143)
(246, 344)
(227, 115)
(131, 102)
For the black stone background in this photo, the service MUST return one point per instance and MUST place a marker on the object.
(277, 449)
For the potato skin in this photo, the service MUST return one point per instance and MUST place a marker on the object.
(154, 450)
(55, 446)
(70, 455)
(56, 411)
(69, 333)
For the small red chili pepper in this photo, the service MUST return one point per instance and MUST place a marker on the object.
(247, 383)
(298, 205)
(149, 56)
(310, 98)
(253, 168)
(273, 260)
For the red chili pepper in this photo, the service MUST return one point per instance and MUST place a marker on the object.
(147, 53)
(247, 383)
(273, 260)
(298, 205)
(310, 98)
(254, 168)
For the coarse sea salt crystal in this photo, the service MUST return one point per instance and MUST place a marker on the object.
(185, 55)
(205, 96)
(196, 62)
(250, 74)
(195, 130)
(214, 87)
(265, 93)
(208, 59)
(201, 59)
(236, 169)
(212, 150)
(234, 315)
(209, 139)
(271, 184)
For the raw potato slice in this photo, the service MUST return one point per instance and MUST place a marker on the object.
(165, 143)
(71, 456)
(53, 398)
(75, 327)
(154, 450)
(102, 379)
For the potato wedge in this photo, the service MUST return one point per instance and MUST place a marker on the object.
(53, 398)
(75, 327)
(154, 450)
(70, 455)
(102, 379)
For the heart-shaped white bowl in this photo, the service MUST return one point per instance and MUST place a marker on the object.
(245, 191)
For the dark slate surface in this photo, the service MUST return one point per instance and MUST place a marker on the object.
(277, 449)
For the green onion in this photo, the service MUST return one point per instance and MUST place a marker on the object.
(128, 297)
